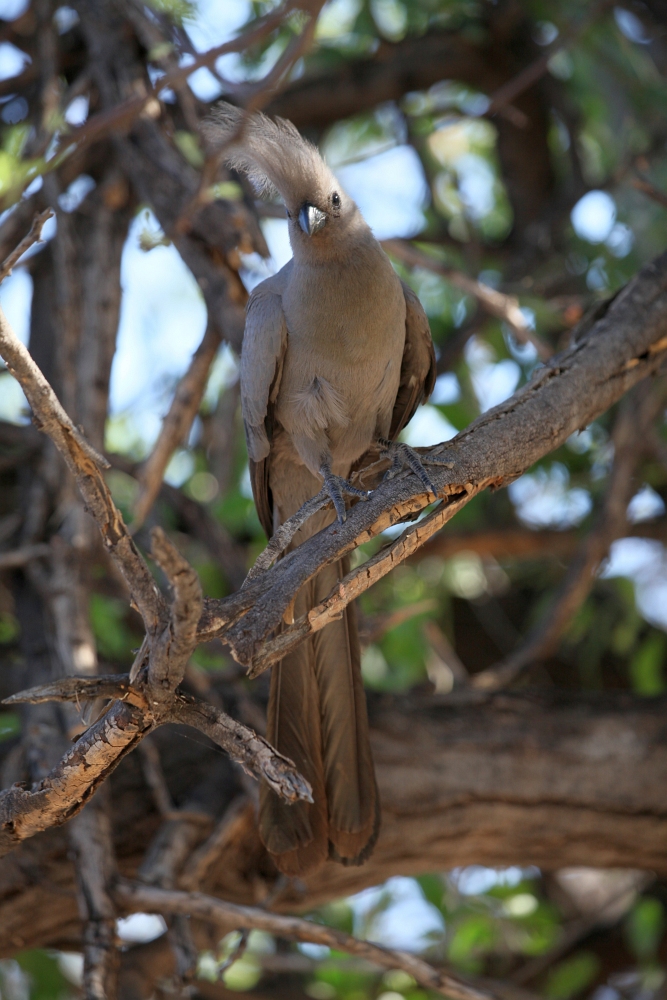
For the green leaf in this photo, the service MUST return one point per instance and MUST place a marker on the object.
(432, 888)
(474, 937)
(188, 144)
(176, 10)
(9, 627)
(572, 976)
(46, 980)
(644, 927)
(10, 725)
(114, 639)
(646, 666)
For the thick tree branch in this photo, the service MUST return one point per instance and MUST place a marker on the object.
(552, 779)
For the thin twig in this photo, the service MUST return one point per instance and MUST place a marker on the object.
(644, 185)
(19, 557)
(154, 777)
(135, 897)
(86, 466)
(177, 423)
(92, 841)
(34, 236)
(122, 116)
(503, 96)
(178, 641)
(495, 303)
(75, 689)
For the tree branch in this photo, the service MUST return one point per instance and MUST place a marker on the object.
(136, 897)
(495, 303)
(177, 423)
(34, 236)
(86, 466)
(638, 412)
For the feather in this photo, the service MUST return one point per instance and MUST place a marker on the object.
(271, 152)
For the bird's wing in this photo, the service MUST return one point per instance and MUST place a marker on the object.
(417, 367)
(264, 345)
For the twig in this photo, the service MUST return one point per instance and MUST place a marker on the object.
(91, 838)
(81, 689)
(154, 777)
(86, 466)
(176, 642)
(135, 897)
(236, 953)
(177, 423)
(67, 788)
(19, 557)
(280, 540)
(495, 303)
(122, 116)
(503, 97)
(524, 543)
(200, 860)
(373, 628)
(255, 754)
(644, 185)
(34, 236)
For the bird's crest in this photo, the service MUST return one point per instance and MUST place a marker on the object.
(272, 152)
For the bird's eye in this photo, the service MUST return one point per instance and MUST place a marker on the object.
(335, 199)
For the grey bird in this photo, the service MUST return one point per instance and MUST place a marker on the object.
(337, 355)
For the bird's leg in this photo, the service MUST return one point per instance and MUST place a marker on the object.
(333, 490)
(337, 487)
(403, 456)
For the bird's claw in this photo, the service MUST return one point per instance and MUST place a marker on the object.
(403, 456)
(337, 488)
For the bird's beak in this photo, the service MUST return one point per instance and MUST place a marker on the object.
(311, 219)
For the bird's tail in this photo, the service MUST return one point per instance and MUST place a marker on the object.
(317, 717)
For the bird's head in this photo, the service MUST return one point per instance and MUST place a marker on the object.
(277, 158)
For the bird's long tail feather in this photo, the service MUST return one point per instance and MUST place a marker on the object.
(317, 717)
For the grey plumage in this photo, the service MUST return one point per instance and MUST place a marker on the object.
(337, 353)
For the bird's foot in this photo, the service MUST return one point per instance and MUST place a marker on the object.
(404, 457)
(333, 490)
(337, 488)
